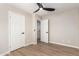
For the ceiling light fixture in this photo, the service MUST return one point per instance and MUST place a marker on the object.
(41, 8)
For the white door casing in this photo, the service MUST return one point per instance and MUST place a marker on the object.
(44, 31)
(34, 29)
(16, 31)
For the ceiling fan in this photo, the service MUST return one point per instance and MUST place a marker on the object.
(43, 8)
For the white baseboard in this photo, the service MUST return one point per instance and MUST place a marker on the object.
(3, 54)
(34, 43)
(30, 43)
(64, 45)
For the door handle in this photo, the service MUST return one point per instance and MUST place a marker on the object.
(22, 33)
(34, 30)
(46, 32)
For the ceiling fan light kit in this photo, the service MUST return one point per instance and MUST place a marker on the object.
(41, 8)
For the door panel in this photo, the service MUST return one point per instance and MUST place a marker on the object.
(17, 31)
(44, 31)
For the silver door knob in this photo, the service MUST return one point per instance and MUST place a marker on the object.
(46, 32)
(22, 33)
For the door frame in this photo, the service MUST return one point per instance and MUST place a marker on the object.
(9, 29)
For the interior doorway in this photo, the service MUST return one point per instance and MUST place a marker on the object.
(42, 31)
(38, 31)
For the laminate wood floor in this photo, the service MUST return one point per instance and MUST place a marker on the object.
(45, 49)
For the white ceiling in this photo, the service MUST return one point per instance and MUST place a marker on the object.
(31, 7)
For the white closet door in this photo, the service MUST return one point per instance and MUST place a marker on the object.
(17, 30)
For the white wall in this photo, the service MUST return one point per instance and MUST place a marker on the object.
(64, 27)
(4, 39)
(3, 29)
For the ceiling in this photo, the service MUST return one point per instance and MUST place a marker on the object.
(31, 7)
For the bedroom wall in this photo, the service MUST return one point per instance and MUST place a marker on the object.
(3, 29)
(64, 28)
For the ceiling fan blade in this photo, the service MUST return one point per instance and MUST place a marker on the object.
(49, 9)
(36, 10)
(40, 5)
